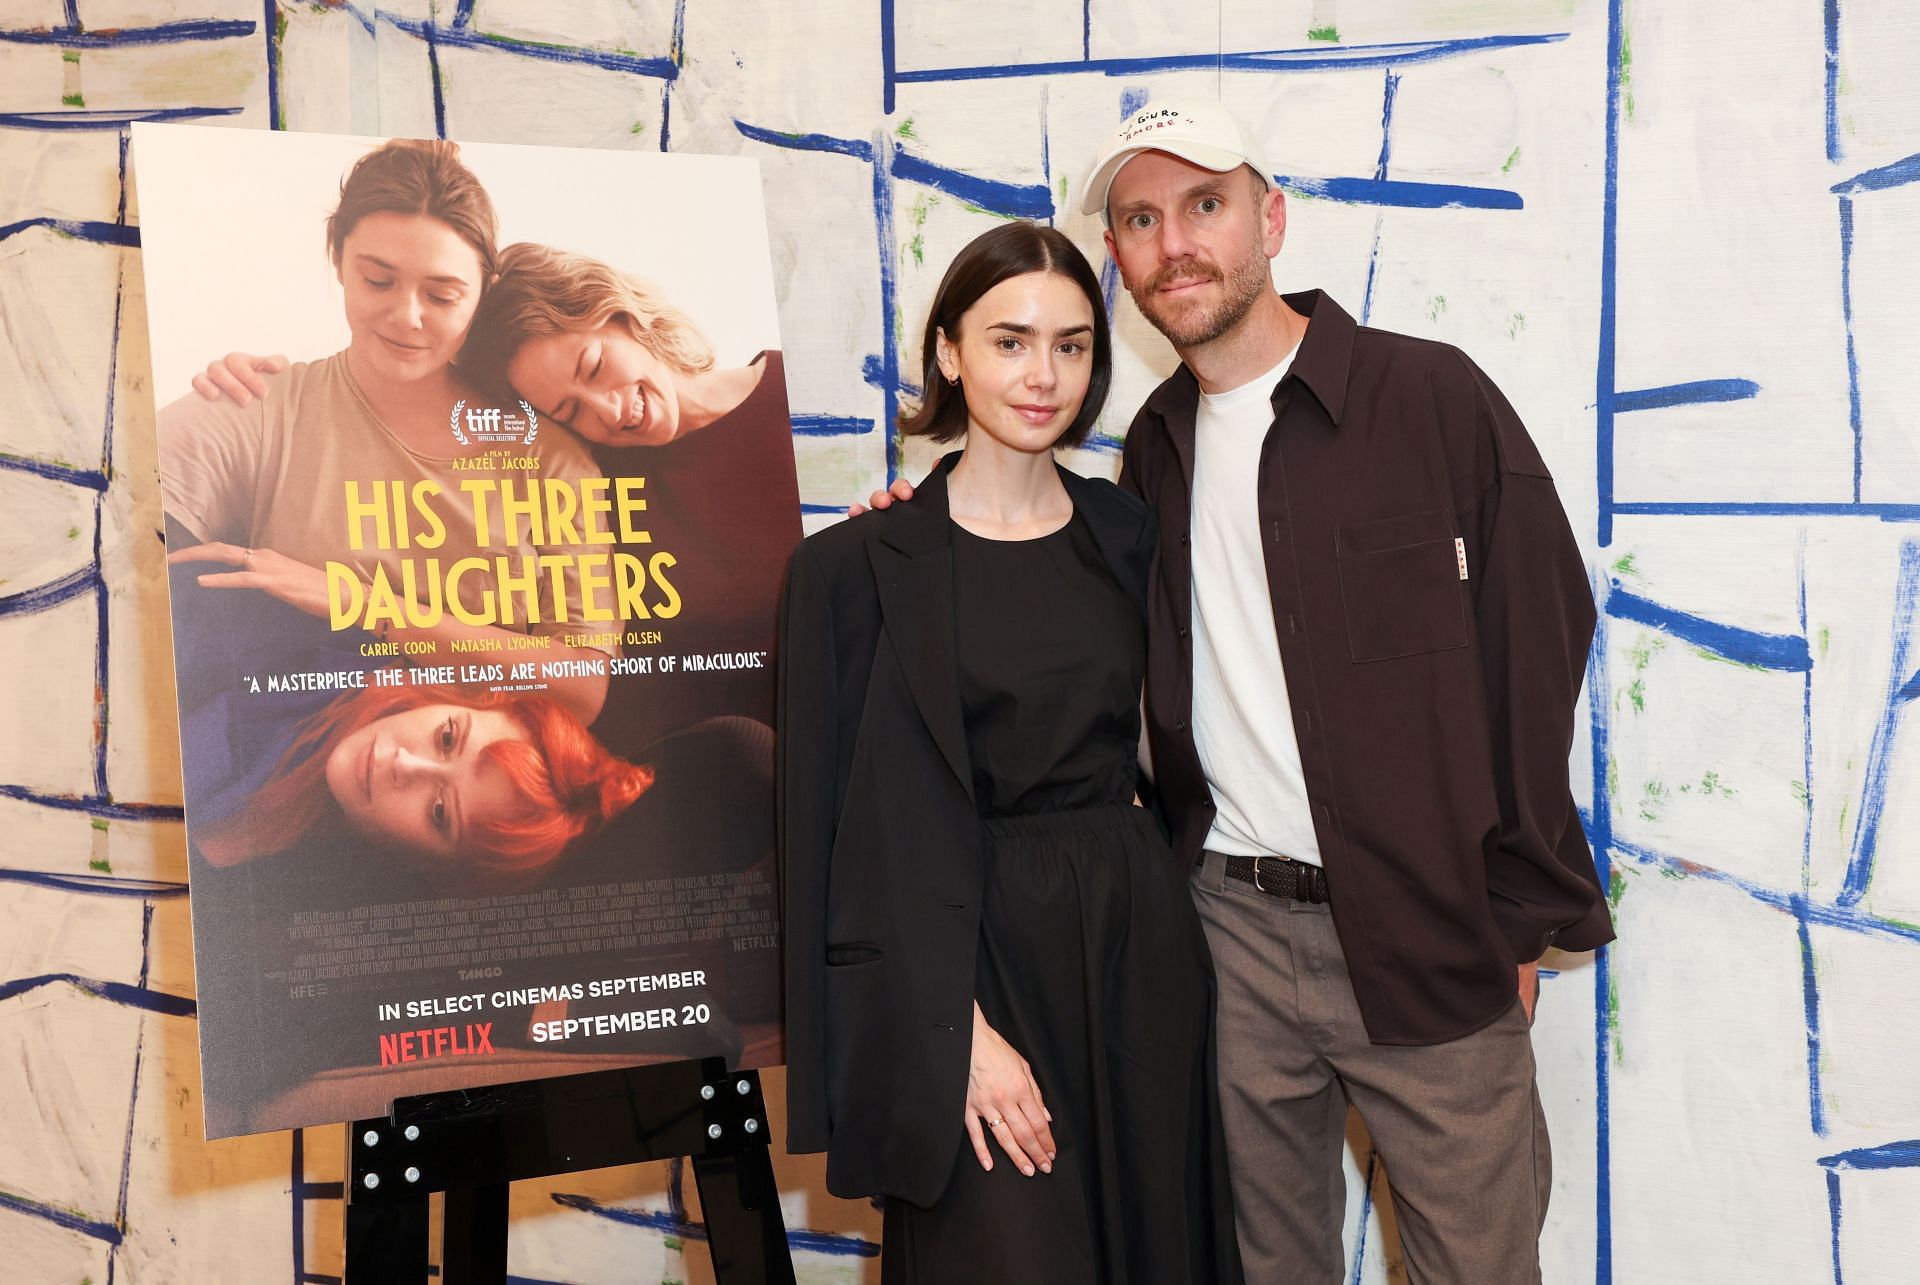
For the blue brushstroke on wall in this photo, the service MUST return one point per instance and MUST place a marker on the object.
(1404, 195)
(1880, 753)
(165, 33)
(1742, 646)
(1696, 393)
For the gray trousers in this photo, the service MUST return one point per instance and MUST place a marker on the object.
(1458, 1125)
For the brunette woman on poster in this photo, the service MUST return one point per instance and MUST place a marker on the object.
(257, 482)
(999, 998)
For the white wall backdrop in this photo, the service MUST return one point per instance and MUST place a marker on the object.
(1680, 237)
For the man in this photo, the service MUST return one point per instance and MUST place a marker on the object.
(1368, 626)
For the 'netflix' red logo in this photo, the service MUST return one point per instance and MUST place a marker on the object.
(437, 1041)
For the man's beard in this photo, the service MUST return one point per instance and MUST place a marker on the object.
(1193, 327)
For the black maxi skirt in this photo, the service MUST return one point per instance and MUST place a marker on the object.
(1094, 967)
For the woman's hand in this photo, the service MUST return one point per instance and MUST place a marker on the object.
(238, 377)
(294, 583)
(1003, 1100)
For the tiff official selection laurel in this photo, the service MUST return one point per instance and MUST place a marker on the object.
(491, 424)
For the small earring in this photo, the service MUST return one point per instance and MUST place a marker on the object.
(954, 380)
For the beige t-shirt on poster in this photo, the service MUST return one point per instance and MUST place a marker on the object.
(272, 475)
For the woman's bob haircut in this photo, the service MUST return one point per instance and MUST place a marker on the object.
(1010, 250)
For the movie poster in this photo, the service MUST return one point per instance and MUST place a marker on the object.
(475, 539)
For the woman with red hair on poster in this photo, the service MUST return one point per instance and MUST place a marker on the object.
(476, 789)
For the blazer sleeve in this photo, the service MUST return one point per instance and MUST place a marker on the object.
(806, 756)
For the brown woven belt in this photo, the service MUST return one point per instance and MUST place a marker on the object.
(1281, 877)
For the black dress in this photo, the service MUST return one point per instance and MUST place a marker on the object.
(1092, 962)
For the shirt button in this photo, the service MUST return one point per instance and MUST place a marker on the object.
(1179, 727)
(1306, 718)
(1183, 631)
(1326, 815)
(1293, 626)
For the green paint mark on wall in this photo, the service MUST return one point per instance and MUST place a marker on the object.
(100, 825)
(1626, 67)
(906, 128)
(1640, 655)
(1826, 636)
(1515, 324)
(101, 864)
(280, 63)
(1624, 566)
(1613, 776)
(1328, 35)
(1653, 799)
(72, 56)
(1704, 654)
(1845, 804)
(922, 206)
(73, 100)
(1436, 306)
(1508, 167)
(971, 208)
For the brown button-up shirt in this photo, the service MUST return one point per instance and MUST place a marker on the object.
(1433, 698)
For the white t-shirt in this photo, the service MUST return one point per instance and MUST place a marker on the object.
(1242, 722)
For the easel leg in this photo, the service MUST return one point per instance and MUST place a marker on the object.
(741, 1206)
(387, 1243)
(473, 1243)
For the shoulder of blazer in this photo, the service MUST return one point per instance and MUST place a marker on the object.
(1122, 526)
(832, 553)
(1101, 501)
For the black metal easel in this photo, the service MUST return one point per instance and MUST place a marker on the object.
(471, 1143)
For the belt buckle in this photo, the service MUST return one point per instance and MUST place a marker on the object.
(1274, 892)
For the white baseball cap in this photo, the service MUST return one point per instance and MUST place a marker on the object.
(1198, 130)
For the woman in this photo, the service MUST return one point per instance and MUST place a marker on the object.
(476, 790)
(621, 366)
(999, 998)
(259, 486)
(603, 353)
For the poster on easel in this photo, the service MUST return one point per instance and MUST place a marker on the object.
(478, 486)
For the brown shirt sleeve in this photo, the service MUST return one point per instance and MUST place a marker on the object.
(1534, 613)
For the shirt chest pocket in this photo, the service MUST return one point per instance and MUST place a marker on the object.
(1400, 585)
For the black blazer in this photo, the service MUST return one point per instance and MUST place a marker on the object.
(879, 837)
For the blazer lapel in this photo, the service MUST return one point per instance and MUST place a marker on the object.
(913, 571)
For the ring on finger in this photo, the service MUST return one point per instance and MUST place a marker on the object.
(995, 1124)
